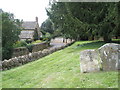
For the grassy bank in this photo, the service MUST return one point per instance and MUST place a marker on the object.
(59, 70)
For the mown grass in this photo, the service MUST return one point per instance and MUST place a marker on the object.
(60, 70)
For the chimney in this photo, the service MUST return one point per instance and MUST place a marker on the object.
(36, 19)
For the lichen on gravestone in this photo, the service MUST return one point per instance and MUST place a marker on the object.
(109, 54)
(105, 58)
(89, 61)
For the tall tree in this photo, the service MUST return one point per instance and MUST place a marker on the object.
(47, 26)
(85, 20)
(10, 32)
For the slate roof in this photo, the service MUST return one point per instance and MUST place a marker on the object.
(29, 25)
(26, 34)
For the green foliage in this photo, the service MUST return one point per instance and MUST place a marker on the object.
(0, 36)
(47, 37)
(19, 44)
(37, 41)
(30, 47)
(28, 41)
(10, 32)
(47, 26)
(36, 36)
(85, 20)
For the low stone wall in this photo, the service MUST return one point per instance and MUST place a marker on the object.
(21, 60)
(106, 58)
(20, 51)
(40, 46)
(24, 51)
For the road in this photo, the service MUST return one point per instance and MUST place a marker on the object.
(57, 42)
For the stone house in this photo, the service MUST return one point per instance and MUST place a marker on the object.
(29, 29)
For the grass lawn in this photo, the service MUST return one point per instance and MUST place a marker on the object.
(60, 70)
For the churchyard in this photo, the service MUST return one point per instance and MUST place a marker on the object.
(88, 55)
(60, 69)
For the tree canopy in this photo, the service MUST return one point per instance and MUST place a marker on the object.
(10, 32)
(47, 26)
(86, 20)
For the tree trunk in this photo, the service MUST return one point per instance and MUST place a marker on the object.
(63, 40)
(116, 37)
(66, 40)
(107, 39)
(91, 38)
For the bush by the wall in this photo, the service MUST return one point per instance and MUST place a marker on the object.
(37, 41)
(28, 41)
(10, 31)
(7, 52)
(30, 47)
(20, 44)
(21, 60)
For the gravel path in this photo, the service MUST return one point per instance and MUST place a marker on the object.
(57, 42)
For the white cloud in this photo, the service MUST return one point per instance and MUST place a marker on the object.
(26, 9)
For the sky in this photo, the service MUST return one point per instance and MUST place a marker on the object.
(26, 9)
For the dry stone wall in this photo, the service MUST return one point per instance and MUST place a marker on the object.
(24, 51)
(40, 46)
(20, 51)
(21, 60)
(106, 58)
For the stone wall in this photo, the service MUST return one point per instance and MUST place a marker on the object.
(21, 60)
(20, 51)
(106, 58)
(40, 46)
(24, 51)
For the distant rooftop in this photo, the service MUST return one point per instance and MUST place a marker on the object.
(29, 25)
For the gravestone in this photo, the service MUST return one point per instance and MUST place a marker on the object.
(107, 58)
(110, 56)
(89, 61)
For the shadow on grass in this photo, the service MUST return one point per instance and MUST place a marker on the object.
(116, 41)
(96, 44)
(90, 45)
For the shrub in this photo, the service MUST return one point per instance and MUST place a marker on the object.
(10, 31)
(36, 36)
(37, 41)
(20, 44)
(7, 52)
(28, 41)
(45, 39)
(30, 47)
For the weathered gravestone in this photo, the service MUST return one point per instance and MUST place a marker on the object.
(89, 61)
(110, 56)
(107, 57)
